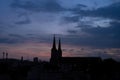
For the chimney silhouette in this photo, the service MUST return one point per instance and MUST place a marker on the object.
(21, 58)
(3, 55)
(6, 55)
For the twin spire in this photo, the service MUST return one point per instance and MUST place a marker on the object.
(54, 43)
(56, 54)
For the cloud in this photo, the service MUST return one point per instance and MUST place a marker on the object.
(25, 9)
(111, 31)
(5, 28)
(38, 5)
(88, 35)
(72, 31)
(16, 35)
(12, 39)
(96, 28)
(101, 37)
(9, 41)
(111, 11)
(17, 38)
(22, 22)
(81, 6)
(71, 19)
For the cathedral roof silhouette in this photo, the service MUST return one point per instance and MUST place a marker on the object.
(56, 56)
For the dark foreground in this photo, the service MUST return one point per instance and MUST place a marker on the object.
(12, 69)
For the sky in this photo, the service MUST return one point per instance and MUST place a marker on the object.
(86, 28)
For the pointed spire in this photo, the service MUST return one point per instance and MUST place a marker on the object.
(59, 49)
(54, 43)
(59, 45)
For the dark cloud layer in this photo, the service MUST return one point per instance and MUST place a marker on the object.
(85, 34)
(107, 12)
(25, 8)
(102, 37)
(71, 19)
(12, 39)
(112, 11)
(38, 5)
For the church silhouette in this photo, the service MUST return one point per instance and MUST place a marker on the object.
(57, 58)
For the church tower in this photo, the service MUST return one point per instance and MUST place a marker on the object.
(54, 55)
(59, 49)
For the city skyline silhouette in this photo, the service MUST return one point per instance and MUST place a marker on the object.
(59, 40)
(58, 67)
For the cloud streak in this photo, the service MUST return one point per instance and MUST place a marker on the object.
(38, 5)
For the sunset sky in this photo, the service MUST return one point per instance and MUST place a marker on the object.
(86, 28)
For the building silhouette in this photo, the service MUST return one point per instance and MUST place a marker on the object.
(56, 57)
(56, 54)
